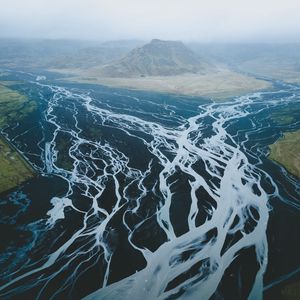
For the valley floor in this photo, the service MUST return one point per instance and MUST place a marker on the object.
(218, 86)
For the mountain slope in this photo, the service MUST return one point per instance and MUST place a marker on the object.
(157, 58)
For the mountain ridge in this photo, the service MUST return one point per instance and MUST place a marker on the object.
(157, 58)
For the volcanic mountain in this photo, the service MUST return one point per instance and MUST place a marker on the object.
(157, 58)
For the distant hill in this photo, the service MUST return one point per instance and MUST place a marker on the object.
(95, 56)
(157, 58)
(87, 57)
(62, 54)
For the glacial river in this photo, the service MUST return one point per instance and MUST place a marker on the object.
(149, 196)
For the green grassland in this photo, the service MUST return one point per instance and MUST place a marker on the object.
(286, 151)
(13, 168)
(287, 115)
(13, 105)
(13, 108)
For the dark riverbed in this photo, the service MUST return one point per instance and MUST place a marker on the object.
(120, 178)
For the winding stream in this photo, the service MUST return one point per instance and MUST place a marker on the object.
(159, 198)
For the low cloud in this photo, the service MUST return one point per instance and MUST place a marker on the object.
(205, 21)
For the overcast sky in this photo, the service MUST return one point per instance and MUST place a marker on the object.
(201, 20)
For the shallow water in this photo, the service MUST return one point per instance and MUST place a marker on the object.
(145, 195)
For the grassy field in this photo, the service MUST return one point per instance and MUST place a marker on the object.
(286, 151)
(13, 108)
(13, 105)
(13, 168)
(287, 115)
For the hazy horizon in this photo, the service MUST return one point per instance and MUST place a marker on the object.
(232, 21)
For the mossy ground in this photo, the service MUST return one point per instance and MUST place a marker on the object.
(13, 168)
(286, 151)
(13, 108)
(287, 115)
(13, 105)
(63, 143)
